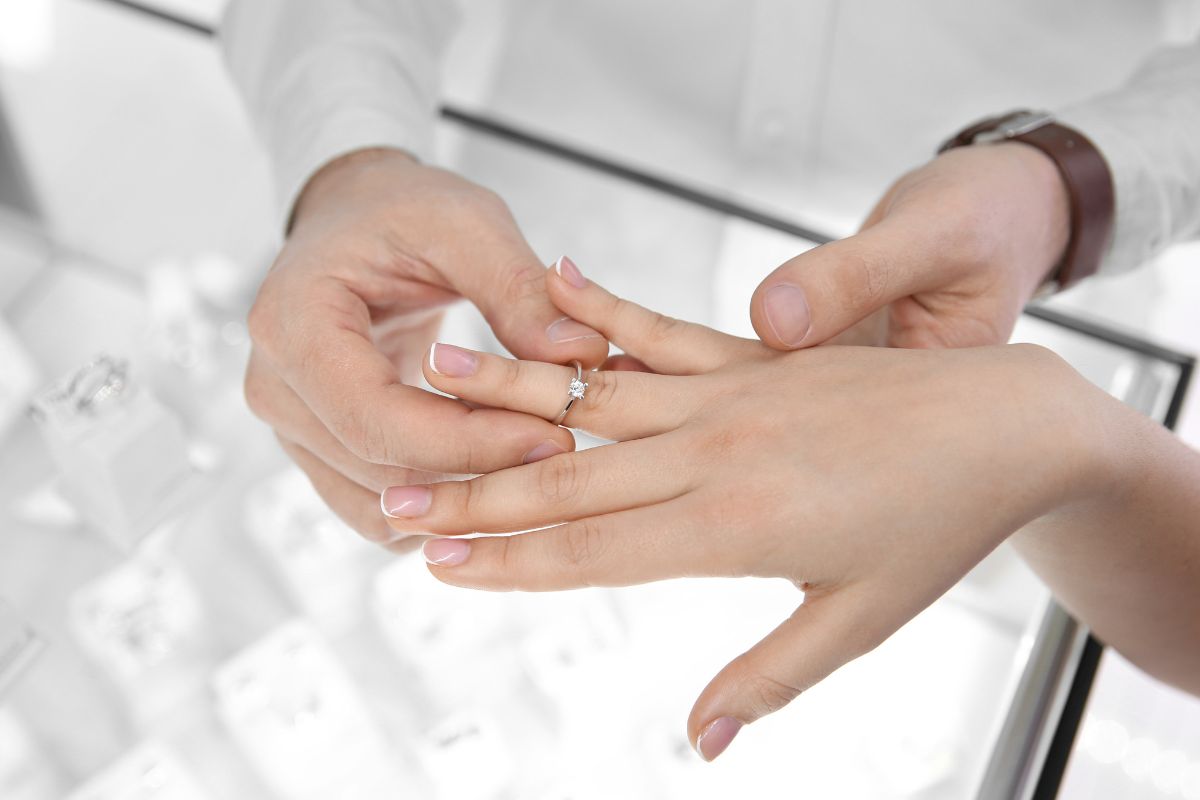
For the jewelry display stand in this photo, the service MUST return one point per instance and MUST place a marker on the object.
(121, 455)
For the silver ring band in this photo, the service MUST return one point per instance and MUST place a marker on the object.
(575, 391)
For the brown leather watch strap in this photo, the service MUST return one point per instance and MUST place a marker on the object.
(1086, 176)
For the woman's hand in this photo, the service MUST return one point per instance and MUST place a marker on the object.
(872, 479)
(379, 245)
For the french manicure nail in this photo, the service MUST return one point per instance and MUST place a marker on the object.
(405, 501)
(713, 740)
(786, 307)
(451, 361)
(544, 450)
(568, 330)
(446, 552)
(570, 273)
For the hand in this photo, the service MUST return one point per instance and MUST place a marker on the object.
(873, 479)
(379, 245)
(947, 258)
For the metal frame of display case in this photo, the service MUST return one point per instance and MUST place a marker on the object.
(1046, 704)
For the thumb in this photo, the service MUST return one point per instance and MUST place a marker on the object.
(512, 297)
(824, 291)
(820, 636)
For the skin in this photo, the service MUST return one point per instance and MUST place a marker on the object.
(873, 479)
(378, 246)
(946, 259)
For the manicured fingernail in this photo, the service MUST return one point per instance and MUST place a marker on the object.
(405, 501)
(446, 552)
(544, 450)
(787, 312)
(568, 330)
(451, 361)
(713, 740)
(570, 273)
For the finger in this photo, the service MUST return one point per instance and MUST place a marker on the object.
(624, 363)
(663, 343)
(622, 549)
(615, 405)
(326, 355)
(354, 505)
(274, 402)
(823, 634)
(563, 487)
(507, 282)
(822, 292)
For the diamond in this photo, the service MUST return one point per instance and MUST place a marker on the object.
(576, 389)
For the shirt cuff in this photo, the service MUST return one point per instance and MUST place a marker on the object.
(332, 103)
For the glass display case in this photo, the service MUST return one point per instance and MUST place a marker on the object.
(229, 638)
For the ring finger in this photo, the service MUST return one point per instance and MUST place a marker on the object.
(616, 405)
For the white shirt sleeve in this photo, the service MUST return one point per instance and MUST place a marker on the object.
(321, 78)
(1149, 132)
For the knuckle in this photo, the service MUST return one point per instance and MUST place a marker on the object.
(262, 323)
(357, 435)
(766, 695)
(511, 379)
(870, 273)
(507, 561)
(582, 544)
(468, 499)
(561, 480)
(601, 391)
(257, 395)
(662, 329)
(522, 282)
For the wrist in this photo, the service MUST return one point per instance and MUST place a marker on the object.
(1041, 198)
(1086, 429)
(327, 182)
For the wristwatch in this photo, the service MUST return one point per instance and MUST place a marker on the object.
(1085, 174)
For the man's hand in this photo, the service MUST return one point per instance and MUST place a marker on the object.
(947, 258)
(379, 244)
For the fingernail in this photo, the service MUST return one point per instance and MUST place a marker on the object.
(568, 330)
(570, 273)
(544, 450)
(451, 361)
(713, 740)
(405, 501)
(446, 552)
(787, 313)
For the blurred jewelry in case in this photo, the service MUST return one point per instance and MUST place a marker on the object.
(121, 455)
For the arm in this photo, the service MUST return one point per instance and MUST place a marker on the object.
(343, 92)
(955, 248)
(871, 478)
(1127, 562)
(1147, 132)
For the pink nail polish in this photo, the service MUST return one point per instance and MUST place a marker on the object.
(713, 740)
(570, 273)
(405, 501)
(568, 330)
(544, 450)
(453, 362)
(786, 307)
(446, 552)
